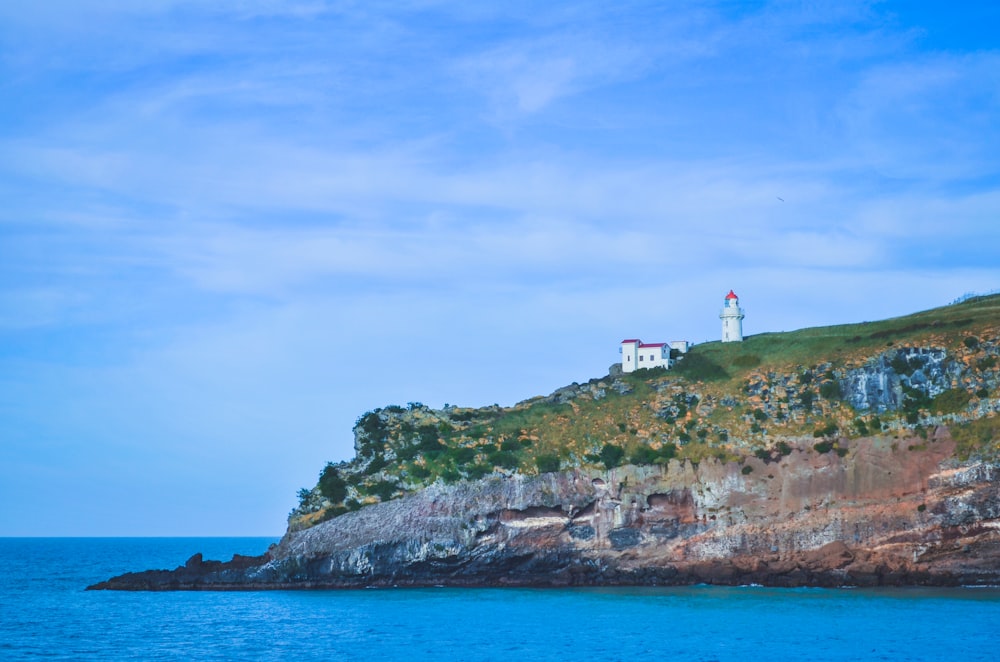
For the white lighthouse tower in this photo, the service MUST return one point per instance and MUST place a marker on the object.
(732, 319)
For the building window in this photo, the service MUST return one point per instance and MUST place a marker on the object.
(641, 357)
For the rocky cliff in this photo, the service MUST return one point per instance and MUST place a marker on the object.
(871, 462)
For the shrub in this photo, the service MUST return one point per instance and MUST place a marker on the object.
(759, 414)
(971, 342)
(746, 469)
(643, 455)
(983, 393)
(383, 489)
(510, 444)
(331, 484)
(407, 453)
(951, 401)
(830, 390)
(668, 450)
(806, 398)
(429, 439)
(371, 432)
(377, 463)
(504, 459)
(987, 363)
(646, 374)
(827, 430)
(419, 471)
(462, 455)
(784, 448)
(913, 401)
(547, 462)
(823, 447)
(699, 367)
(478, 470)
(612, 455)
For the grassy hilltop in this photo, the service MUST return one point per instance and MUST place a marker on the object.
(722, 401)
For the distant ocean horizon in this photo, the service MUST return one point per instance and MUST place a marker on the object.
(45, 612)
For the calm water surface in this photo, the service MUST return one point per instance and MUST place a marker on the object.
(45, 613)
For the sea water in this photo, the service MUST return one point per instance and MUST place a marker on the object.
(45, 613)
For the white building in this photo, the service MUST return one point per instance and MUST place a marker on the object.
(637, 354)
(682, 346)
(732, 319)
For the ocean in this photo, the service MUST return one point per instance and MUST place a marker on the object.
(46, 614)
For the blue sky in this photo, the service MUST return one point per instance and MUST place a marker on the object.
(228, 229)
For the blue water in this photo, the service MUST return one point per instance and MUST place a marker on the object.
(45, 613)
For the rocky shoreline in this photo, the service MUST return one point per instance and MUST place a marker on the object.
(832, 566)
(886, 512)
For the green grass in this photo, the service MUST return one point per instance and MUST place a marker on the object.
(828, 343)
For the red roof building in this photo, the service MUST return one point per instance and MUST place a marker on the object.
(637, 354)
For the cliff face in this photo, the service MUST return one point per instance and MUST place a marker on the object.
(890, 511)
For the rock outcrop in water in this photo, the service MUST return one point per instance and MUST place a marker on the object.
(898, 483)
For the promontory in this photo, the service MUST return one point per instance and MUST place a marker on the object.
(855, 455)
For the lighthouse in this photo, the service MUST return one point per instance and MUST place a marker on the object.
(732, 319)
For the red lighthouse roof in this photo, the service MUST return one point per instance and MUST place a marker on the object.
(731, 295)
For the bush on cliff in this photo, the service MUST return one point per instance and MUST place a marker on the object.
(612, 455)
(830, 390)
(696, 367)
(827, 430)
(951, 401)
(547, 462)
(823, 447)
(331, 484)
